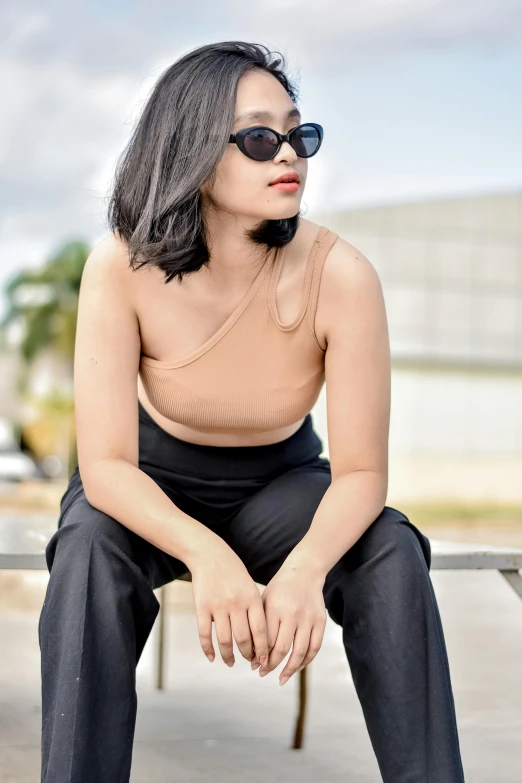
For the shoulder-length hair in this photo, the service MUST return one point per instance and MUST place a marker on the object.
(181, 135)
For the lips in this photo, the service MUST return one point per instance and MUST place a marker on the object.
(288, 177)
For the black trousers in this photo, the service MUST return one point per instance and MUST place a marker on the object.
(99, 606)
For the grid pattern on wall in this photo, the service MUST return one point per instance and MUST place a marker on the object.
(451, 272)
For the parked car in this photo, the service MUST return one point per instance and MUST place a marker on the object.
(17, 466)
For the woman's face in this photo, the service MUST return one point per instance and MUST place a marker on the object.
(242, 185)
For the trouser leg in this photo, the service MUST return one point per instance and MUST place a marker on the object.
(98, 611)
(381, 594)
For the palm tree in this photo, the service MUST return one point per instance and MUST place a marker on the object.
(44, 303)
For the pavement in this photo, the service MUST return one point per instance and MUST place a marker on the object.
(225, 725)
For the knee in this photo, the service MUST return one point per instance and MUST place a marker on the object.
(395, 535)
(390, 539)
(93, 559)
(83, 528)
(390, 559)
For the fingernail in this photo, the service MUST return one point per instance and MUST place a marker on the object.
(284, 679)
(262, 672)
(210, 657)
(263, 659)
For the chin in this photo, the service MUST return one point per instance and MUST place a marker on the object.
(292, 208)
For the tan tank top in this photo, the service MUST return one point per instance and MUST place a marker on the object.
(254, 373)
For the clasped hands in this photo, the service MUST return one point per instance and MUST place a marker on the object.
(289, 614)
(295, 617)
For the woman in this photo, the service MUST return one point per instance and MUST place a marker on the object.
(208, 321)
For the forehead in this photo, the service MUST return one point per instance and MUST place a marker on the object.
(266, 116)
(262, 98)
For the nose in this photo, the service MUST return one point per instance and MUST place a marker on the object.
(287, 152)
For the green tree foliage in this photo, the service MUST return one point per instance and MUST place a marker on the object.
(45, 302)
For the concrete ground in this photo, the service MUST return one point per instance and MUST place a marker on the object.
(220, 724)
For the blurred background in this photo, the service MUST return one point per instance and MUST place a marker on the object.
(420, 169)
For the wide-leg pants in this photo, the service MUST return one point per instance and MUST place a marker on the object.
(100, 607)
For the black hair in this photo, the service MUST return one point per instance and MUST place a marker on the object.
(179, 139)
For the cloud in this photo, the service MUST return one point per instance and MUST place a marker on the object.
(74, 76)
(117, 37)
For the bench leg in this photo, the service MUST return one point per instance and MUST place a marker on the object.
(161, 641)
(301, 713)
(514, 579)
(303, 680)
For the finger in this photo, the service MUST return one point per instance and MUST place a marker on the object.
(273, 622)
(272, 630)
(299, 651)
(204, 619)
(281, 647)
(259, 630)
(316, 640)
(224, 637)
(241, 633)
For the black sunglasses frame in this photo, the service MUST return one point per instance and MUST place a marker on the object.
(239, 139)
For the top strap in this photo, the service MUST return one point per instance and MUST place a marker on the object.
(326, 239)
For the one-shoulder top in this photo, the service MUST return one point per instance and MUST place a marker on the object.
(255, 372)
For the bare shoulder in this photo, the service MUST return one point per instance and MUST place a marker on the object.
(345, 267)
(347, 271)
(107, 267)
(109, 254)
(350, 292)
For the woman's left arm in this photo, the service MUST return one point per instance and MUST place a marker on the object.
(358, 393)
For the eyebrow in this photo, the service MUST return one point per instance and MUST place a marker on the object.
(265, 115)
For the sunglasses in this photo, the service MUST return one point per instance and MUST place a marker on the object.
(260, 143)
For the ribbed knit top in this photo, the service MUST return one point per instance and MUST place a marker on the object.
(255, 372)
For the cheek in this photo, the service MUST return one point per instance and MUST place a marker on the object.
(238, 181)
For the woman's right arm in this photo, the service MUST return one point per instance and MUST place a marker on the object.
(106, 364)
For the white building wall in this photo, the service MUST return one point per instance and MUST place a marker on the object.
(452, 279)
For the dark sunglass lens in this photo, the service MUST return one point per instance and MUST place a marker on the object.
(306, 140)
(261, 143)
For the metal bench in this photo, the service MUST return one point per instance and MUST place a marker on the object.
(23, 541)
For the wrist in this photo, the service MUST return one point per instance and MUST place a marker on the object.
(203, 549)
(304, 560)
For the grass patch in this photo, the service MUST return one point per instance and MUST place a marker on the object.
(463, 513)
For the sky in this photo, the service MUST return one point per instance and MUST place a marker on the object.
(417, 100)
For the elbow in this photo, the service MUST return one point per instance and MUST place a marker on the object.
(99, 478)
(89, 489)
(92, 474)
(373, 482)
